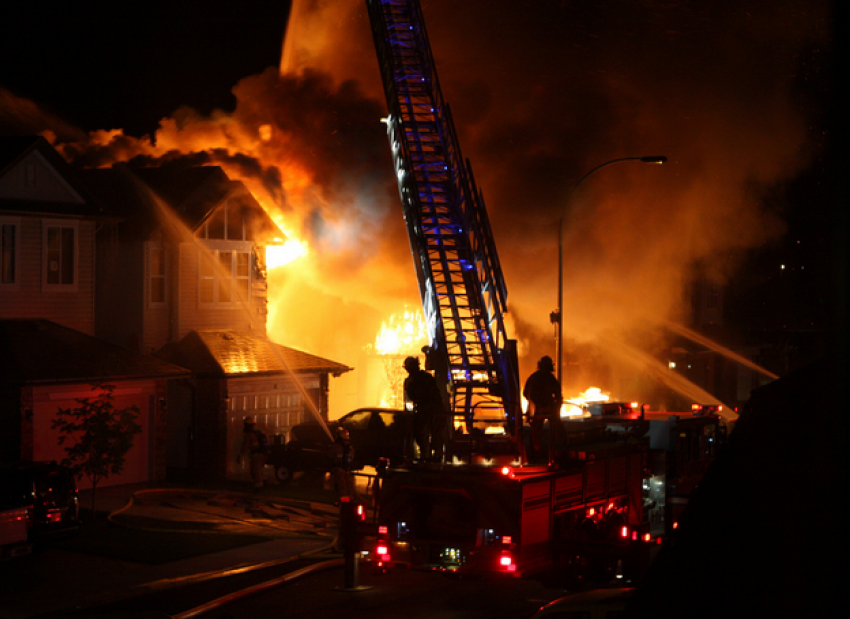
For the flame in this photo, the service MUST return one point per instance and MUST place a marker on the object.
(280, 255)
(402, 334)
(575, 407)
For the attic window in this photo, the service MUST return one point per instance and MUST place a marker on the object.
(226, 224)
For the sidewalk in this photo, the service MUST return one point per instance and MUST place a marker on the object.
(56, 579)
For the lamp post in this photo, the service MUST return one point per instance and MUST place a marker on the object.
(558, 314)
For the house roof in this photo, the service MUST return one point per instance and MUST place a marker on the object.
(34, 351)
(222, 352)
(191, 193)
(14, 149)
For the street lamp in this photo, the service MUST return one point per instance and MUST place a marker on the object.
(558, 314)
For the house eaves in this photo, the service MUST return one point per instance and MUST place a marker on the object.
(232, 353)
(38, 351)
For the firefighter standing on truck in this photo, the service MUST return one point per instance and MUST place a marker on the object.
(543, 392)
(430, 421)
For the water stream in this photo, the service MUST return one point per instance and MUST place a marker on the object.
(169, 221)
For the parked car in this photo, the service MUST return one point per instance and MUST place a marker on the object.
(595, 604)
(48, 490)
(375, 433)
(14, 530)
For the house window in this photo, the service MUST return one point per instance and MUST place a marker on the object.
(8, 253)
(156, 274)
(224, 276)
(60, 254)
(226, 224)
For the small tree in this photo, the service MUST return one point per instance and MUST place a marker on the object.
(101, 434)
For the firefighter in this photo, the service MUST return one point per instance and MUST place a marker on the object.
(543, 392)
(255, 448)
(342, 462)
(430, 421)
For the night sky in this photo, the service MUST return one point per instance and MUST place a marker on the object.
(739, 94)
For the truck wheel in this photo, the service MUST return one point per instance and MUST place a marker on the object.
(283, 473)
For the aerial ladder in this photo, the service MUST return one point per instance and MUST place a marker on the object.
(461, 286)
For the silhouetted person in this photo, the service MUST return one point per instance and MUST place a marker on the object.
(342, 462)
(430, 420)
(254, 447)
(543, 392)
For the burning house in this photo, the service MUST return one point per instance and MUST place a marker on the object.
(190, 254)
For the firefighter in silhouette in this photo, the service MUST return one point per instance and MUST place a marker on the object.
(255, 448)
(543, 392)
(430, 421)
(342, 462)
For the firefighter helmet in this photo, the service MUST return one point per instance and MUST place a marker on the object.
(411, 364)
(249, 421)
(546, 364)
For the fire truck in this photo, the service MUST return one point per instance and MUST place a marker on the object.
(589, 512)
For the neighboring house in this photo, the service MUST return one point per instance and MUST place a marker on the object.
(49, 356)
(47, 237)
(45, 366)
(237, 375)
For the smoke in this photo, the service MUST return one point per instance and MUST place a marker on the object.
(541, 93)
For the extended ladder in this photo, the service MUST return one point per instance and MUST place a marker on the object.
(460, 280)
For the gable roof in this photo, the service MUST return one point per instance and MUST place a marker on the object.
(38, 351)
(192, 193)
(16, 149)
(230, 353)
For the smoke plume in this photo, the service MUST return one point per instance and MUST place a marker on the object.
(541, 93)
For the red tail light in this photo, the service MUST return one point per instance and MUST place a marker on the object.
(506, 562)
(624, 532)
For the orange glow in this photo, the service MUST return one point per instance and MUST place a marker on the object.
(280, 255)
(402, 334)
(575, 406)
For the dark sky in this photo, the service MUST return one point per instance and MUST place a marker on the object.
(105, 65)
(739, 94)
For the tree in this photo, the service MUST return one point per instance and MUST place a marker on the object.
(101, 436)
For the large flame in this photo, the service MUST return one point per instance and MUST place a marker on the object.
(402, 334)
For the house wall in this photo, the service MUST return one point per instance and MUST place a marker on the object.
(146, 459)
(192, 315)
(72, 307)
(119, 292)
